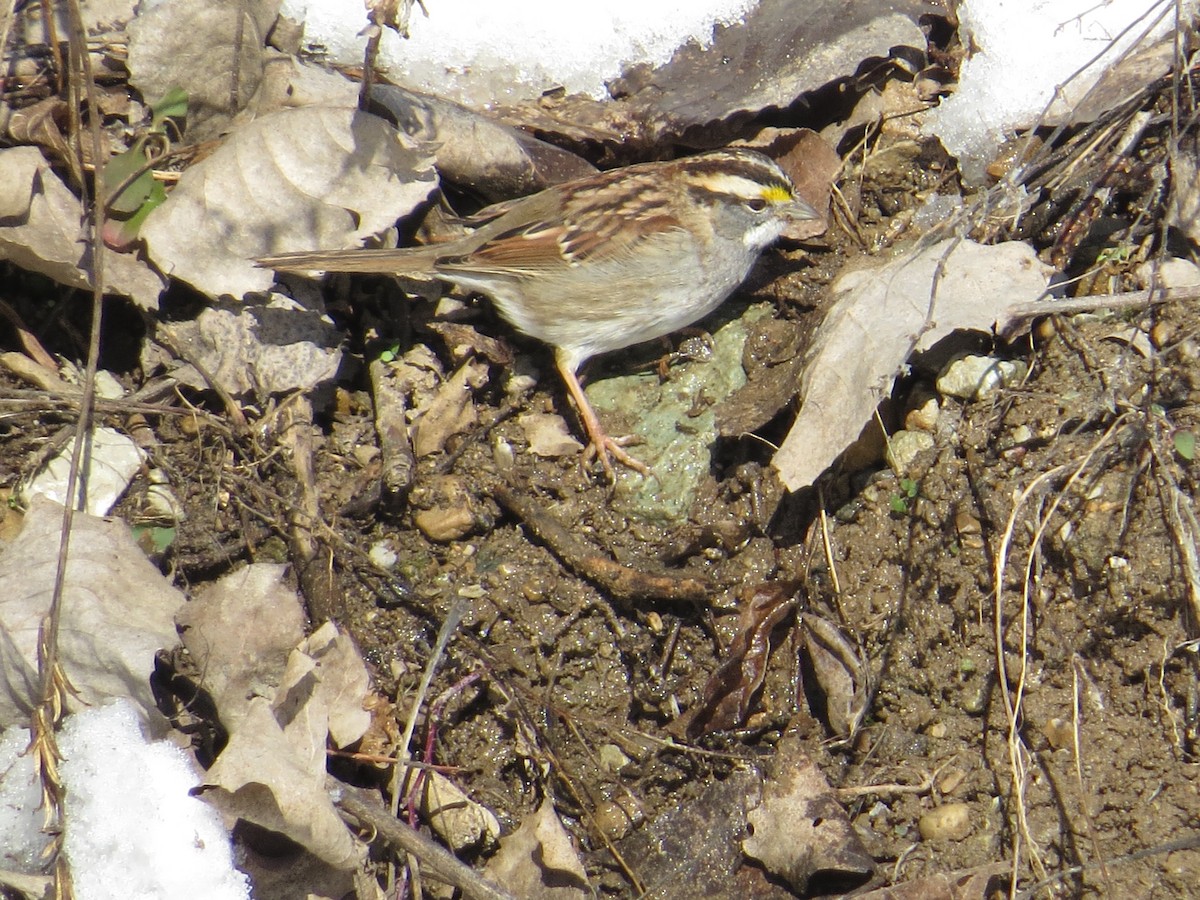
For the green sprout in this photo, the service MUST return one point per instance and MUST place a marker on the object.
(129, 181)
(1185, 444)
(901, 503)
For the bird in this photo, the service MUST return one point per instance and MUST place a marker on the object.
(605, 261)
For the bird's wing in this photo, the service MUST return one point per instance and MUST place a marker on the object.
(600, 221)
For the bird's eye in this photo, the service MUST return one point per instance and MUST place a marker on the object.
(757, 204)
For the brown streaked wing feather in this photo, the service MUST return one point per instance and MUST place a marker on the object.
(530, 248)
(607, 221)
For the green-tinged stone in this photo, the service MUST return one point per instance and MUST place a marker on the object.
(675, 419)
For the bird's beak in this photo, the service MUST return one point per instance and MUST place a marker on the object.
(800, 210)
(803, 221)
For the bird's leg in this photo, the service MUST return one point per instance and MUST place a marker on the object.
(671, 352)
(601, 443)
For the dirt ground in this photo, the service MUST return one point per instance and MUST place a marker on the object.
(1071, 493)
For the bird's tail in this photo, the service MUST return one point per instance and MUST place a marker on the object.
(416, 262)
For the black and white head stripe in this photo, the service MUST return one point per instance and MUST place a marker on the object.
(738, 175)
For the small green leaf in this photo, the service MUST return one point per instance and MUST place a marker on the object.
(898, 504)
(154, 539)
(120, 233)
(173, 105)
(118, 170)
(1114, 254)
(1185, 444)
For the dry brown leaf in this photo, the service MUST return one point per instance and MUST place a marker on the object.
(239, 632)
(280, 696)
(42, 125)
(265, 777)
(841, 676)
(729, 691)
(800, 831)
(450, 410)
(117, 613)
(327, 661)
(40, 230)
(297, 179)
(1134, 73)
(538, 860)
(703, 96)
(183, 44)
(112, 462)
(690, 849)
(458, 820)
(474, 150)
(879, 317)
(548, 435)
(264, 346)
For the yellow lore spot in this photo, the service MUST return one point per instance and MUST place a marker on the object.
(777, 194)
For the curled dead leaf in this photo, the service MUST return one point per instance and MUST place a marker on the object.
(730, 690)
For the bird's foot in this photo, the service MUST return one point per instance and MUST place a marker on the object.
(603, 446)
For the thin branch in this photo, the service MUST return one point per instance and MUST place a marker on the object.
(433, 856)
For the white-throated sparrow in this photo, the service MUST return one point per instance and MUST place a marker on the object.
(606, 261)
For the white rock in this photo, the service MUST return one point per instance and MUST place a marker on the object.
(979, 377)
(903, 448)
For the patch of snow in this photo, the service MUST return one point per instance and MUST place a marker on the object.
(499, 51)
(1025, 48)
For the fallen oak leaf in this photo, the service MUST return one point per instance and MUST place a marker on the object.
(730, 690)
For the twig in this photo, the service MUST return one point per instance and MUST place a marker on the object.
(1008, 322)
(894, 788)
(28, 340)
(1188, 843)
(433, 856)
(400, 774)
(621, 582)
(54, 686)
(314, 560)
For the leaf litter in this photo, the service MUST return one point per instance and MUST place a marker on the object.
(893, 617)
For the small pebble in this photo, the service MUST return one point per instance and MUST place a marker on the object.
(1059, 733)
(948, 822)
(970, 530)
(951, 780)
(1161, 334)
(613, 758)
(503, 455)
(444, 525)
(446, 511)
(979, 377)
(1169, 273)
(923, 417)
(904, 447)
(616, 820)
(382, 555)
